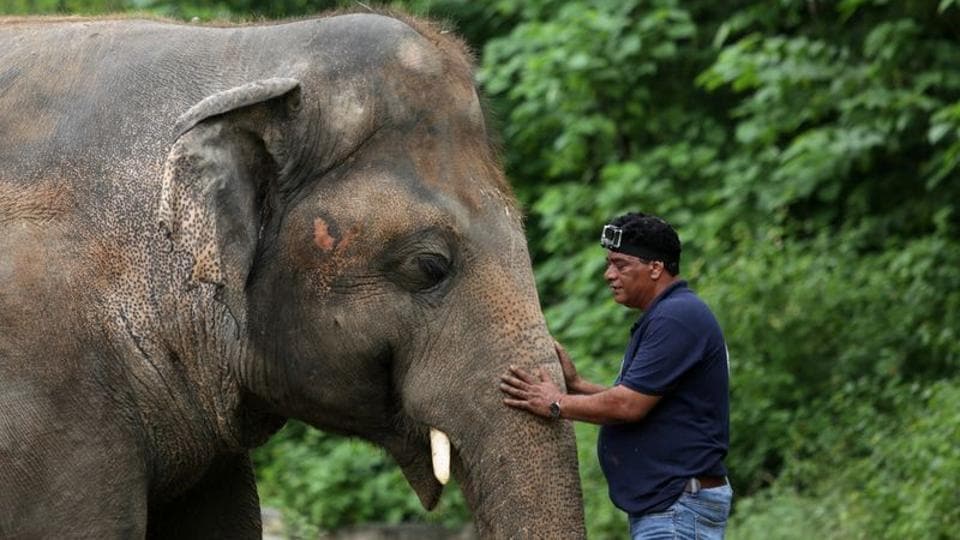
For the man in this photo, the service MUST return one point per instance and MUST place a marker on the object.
(665, 422)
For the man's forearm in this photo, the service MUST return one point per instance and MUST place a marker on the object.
(583, 386)
(610, 406)
(593, 408)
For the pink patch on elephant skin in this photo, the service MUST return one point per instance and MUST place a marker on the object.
(321, 235)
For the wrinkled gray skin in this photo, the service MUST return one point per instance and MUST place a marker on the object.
(206, 231)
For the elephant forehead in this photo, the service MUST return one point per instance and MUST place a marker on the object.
(371, 207)
(392, 203)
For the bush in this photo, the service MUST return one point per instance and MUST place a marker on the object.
(894, 477)
(816, 320)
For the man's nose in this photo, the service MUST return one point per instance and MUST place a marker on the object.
(610, 273)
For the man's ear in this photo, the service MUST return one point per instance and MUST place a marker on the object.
(656, 269)
(230, 150)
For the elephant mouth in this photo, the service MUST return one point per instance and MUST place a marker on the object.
(426, 461)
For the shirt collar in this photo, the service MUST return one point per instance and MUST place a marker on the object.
(666, 292)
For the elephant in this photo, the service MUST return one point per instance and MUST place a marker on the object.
(208, 230)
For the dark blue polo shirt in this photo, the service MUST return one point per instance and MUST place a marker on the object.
(676, 351)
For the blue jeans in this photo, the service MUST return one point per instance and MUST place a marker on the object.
(695, 516)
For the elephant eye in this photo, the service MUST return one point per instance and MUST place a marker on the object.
(421, 263)
(434, 270)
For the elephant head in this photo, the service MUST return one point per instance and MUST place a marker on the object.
(352, 216)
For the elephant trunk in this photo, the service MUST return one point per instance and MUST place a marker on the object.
(522, 480)
(517, 471)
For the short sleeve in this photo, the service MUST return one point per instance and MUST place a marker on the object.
(667, 350)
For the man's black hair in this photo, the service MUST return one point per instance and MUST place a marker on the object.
(653, 233)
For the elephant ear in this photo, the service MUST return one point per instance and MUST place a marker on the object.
(229, 151)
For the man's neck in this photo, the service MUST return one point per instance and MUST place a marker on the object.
(663, 284)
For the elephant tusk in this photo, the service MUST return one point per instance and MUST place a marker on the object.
(440, 451)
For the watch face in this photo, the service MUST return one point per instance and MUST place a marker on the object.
(555, 409)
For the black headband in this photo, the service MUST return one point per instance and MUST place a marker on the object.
(642, 253)
(612, 239)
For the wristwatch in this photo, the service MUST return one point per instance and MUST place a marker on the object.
(555, 410)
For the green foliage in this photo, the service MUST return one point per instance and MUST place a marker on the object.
(900, 482)
(37, 7)
(803, 322)
(578, 83)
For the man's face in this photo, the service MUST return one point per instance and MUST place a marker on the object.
(632, 280)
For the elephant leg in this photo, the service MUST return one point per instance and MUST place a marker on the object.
(223, 504)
